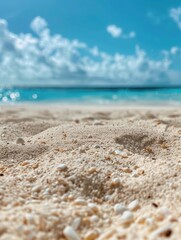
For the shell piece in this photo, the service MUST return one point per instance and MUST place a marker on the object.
(97, 123)
(70, 233)
(127, 217)
(80, 201)
(94, 219)
(118, 152)
(93, 207)
(119, 208)
(62, 167)
(134, 205)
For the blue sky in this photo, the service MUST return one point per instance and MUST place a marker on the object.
(105, 42)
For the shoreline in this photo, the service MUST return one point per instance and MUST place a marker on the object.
(111, 106)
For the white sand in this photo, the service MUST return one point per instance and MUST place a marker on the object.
(56, 161)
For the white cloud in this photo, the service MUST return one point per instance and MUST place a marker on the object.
(175, 14)
(43, 58)
(117, 32)
(94, 51)
(172, 52)
(114, 31)
(38, 25)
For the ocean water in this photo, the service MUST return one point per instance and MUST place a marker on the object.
(171, 96)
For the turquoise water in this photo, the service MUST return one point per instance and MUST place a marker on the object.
(98, 96)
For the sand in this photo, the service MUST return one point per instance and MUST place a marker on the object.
(90, 173)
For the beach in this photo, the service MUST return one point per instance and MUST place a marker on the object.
(90, 172)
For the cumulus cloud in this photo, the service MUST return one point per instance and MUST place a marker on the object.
(46, 59)
(114, 31)
(38, 25)
(172, 52)
(117, 32)
(175, 14)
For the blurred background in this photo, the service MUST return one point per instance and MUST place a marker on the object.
(94, 51)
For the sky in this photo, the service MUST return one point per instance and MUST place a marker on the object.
(83, 42)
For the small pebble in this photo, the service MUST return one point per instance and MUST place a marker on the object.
(96, 146)
(93, 207)
(80, 201)
(36, 188)
(118, 152)
(20, 141)
(94, 219)
(77, 121)
(155, 205)
(119, 209)
(127, 217)
(108, 197)
(134, 205)
(92, 170)
(62, 167)
(124, 155)
(96, 122)
(115, 182)
(126, 170)
(70, 233)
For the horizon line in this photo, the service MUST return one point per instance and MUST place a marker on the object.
(90, 87)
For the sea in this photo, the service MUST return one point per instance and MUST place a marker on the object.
(104, 96)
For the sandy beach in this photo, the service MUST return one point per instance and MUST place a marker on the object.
(90, 173)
